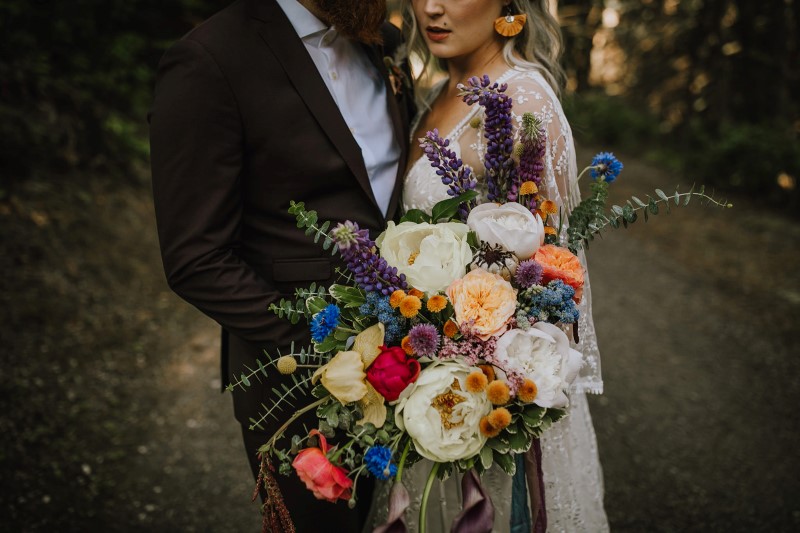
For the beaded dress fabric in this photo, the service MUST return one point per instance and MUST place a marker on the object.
(572, 473)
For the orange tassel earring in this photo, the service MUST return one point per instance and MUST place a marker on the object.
(510, 25)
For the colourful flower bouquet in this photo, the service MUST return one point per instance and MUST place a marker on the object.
(446, 337)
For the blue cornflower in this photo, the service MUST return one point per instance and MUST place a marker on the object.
(378, 460)
(325, 322)
(378, 306)
(605, 166)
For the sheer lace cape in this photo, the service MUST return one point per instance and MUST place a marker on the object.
(570, 462)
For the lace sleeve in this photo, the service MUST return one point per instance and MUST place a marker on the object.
(532, 94)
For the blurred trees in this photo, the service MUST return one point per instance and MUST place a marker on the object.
(721, 77)
(76, 79)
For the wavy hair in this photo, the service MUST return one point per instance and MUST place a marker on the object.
(538, 46)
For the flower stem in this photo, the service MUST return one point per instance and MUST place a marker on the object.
(399, 476)
(423, 508)
(277, 434)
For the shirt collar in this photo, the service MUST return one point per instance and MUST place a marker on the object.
(308, 27)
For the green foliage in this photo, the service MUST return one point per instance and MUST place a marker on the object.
(77, 79)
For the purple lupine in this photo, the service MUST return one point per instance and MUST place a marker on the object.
(457, 176)
(498, 130)
(372, 273)
(531, 161)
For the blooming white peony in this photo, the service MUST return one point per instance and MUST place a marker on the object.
(511, 225)
(417, 413)
(543, 355)
(430, 255)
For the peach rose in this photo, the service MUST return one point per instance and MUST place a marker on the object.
(326, 480)
(485, 299)
(560, 263)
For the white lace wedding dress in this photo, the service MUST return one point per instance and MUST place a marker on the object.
(572, 474)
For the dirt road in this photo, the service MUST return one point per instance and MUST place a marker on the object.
(115, 421)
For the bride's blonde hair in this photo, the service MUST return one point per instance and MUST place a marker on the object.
(538, 46)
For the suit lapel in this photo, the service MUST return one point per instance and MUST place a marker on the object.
(399, 124)
(278, 33)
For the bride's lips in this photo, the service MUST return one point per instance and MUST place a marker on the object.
(436, 33)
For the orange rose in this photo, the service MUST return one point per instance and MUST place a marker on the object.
(485, 299)
(326, 480)
(560, 263)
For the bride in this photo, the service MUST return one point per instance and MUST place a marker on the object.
(462, 38)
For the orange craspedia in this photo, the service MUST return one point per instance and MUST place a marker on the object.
(528, 188)
(487, 429)
(410, 306)
(500, 418)
(549, 230)
(416, 292)
(527, 391)
(437, 303)
(450, 329)
(488, 371)
(549, 207)
(476, 381)
(498, 392)
(396, 297)
(405, 344)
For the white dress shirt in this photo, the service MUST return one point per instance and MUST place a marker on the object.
(359, 92)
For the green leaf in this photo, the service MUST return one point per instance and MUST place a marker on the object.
(245, 380)
(519, 442)
(487, 457)
(617, 210)
(416, 215)
(315, 304)
(638, 202)
(661, 195)
(506, 462)
(447, 209)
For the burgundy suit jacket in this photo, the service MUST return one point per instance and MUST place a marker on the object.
(241, 124)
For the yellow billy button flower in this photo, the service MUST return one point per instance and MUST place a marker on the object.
(396, 297)
(410, 306)
(498, 392)
(549, 230)
(436, 303)
(450, 329)
(405, 344)
(527, 391)
(476, 381)
(548, 207)
(528, 188)
(286, 364)
(416, 292)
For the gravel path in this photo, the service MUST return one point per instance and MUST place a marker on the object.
(696, 314)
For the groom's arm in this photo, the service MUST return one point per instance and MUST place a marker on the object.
(197, 144)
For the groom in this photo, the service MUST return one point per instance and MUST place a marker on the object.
(266, 102)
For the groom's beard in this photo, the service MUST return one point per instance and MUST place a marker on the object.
(359, 20)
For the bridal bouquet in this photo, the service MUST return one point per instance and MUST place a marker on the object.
(445, 338)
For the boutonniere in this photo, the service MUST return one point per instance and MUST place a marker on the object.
(397, 77)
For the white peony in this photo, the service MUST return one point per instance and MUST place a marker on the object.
(543, 355)
(431, 256)
(511, 225)
(439, 432)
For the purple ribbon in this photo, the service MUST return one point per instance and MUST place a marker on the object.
(477, 511)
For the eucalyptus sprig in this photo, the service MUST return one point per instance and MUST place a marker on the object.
(590, 224)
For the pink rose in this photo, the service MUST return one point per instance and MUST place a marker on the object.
(392, 371)
(326, 480)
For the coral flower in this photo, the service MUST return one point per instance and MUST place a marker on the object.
(396, 297)
(410, 306)
(436, 303)
(527, 391)
(560, 263)
(485, 299)
(450, 329)
(476, 381)
(498, 392)
(326, 480)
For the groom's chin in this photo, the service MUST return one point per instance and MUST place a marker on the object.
(358, 20)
